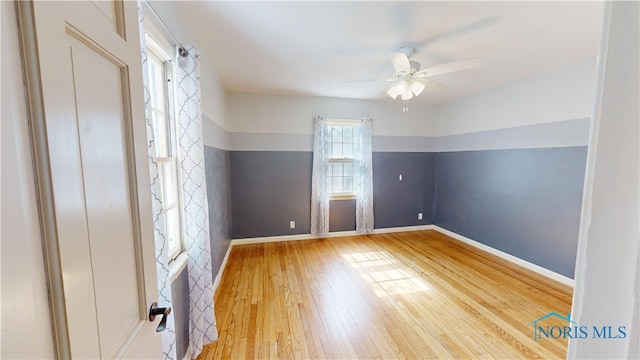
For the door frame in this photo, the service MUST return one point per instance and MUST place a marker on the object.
(42, 174)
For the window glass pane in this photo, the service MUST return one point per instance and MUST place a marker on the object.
(348, 184)
(347, 150)
(356, 149)
(160, 89)
(156, 83)
(347, 133)
(337, 169)
(336, 150)
(337, 185)
(169, 177)
(171, 135)
(161, 181)
(336, 133)
(172, 224)
(160, 133)
(348, 168)
(153, 85)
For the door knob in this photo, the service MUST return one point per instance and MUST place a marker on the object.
(164, 311)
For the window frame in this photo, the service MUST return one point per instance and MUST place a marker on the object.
(158, 52)
(352, 123)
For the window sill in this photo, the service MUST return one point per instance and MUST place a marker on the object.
(343, 197)
(177, 265)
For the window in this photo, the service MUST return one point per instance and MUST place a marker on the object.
(342, 168)
(160, 74)
(343, 145)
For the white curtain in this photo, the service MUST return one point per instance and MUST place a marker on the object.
(364, 174)
(202, 322)
(164, 286)
(320, 179)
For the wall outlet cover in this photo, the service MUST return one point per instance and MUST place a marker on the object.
(292, 224)
(419, 216)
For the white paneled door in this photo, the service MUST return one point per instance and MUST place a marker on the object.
(85, 87)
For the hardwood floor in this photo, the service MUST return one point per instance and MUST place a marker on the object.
(413, 295)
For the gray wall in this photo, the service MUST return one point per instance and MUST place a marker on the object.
(342, 215)
(180, 311)
(397, 203)
(525, 202)
(271, 188)
(217, 170)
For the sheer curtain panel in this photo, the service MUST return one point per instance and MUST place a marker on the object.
(320, 179)
(364, 174)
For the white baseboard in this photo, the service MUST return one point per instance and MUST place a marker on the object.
(216, 282)
(403, 229)
(516, 260)
(267, 239)
(187, 355)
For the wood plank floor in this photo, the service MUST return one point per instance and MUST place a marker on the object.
(415, 295)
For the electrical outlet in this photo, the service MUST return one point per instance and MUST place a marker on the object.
(292, 224)
(419, 216)
(400, 177)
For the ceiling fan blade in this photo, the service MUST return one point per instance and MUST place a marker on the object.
(450, 67)
(400, 62)
(368, 80)
(432, 84)
(459, 31)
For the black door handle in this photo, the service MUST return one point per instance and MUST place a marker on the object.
(155, 310)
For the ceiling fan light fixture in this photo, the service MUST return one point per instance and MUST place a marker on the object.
(401, 87)
(409, 81)
(416, 87)
(392, 92)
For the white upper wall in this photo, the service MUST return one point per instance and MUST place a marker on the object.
(284, 114)
(559, 94)
(213, 93)
(563, 93)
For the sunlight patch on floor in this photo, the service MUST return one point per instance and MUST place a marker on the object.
(385, 274)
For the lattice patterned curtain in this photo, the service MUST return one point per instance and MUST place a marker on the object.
(202, 322)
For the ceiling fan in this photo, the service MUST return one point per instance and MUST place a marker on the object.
(409, 80)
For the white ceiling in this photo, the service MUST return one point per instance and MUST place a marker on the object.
(320, 48)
